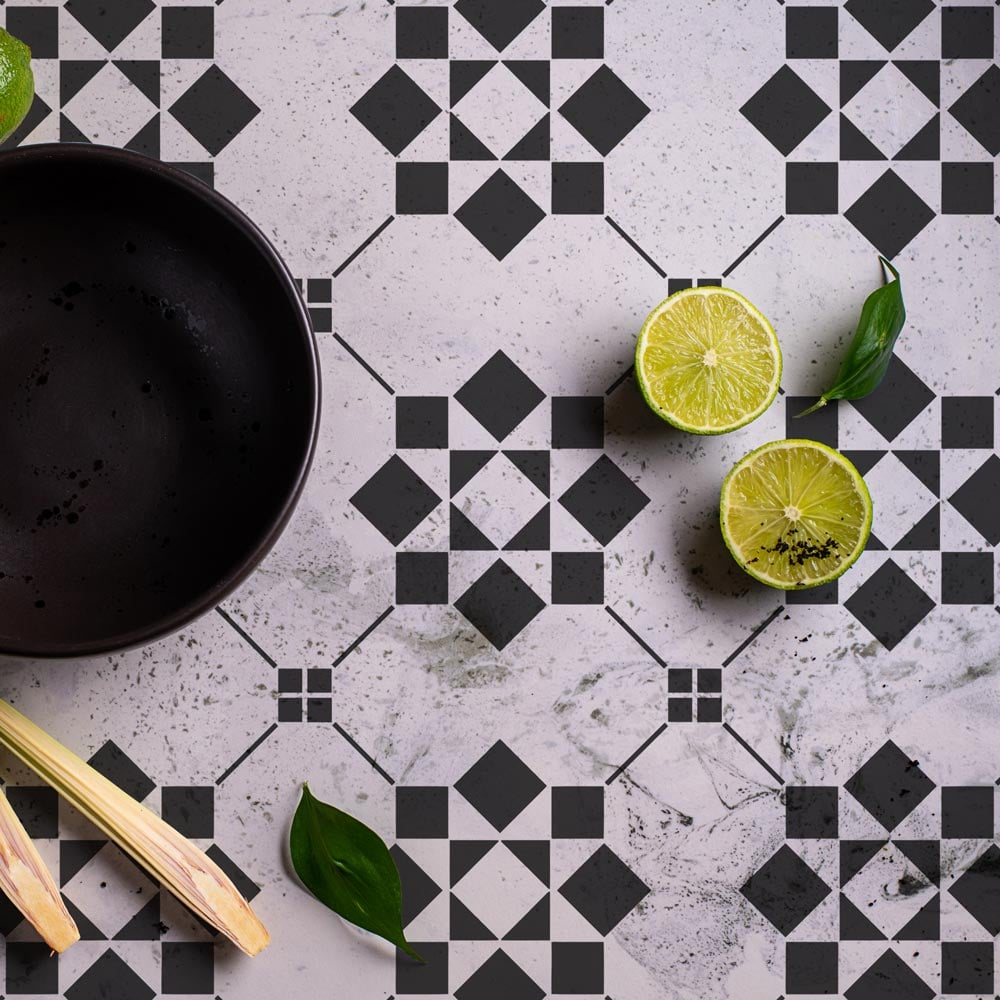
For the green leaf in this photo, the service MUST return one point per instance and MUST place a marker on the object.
(348, 867)
(868, 357)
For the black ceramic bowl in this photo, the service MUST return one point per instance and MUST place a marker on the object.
(159, 399)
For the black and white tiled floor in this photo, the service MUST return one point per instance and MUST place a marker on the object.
(502, 628)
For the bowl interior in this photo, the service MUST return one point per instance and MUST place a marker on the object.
(158, 399)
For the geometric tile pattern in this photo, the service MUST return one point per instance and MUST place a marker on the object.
(480, 483)
(895, 204)
(951, 533)
(515, 851)
(889, 885)
(113, 924)
(168, 98)
(496, 109)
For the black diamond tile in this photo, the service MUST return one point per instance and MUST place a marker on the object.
(604, 500)
(889, 978)
(500, 395)
(37, 808)
(604, 890)
(889, 604)
(889, 214)
(976, 500)
(978, 110)
(499, 978)
(246, 885)
(395, 500)
(189, 809)
(889, 785)
(110, 23)
(109, 976)
(785, 110)
(604, 110)
(499, 214)
(116, 766)
(419, 889)
(897, 402)
(499, 23)
(188, 967)
(978, 889)
(500, 785)
(967, 967)
(395, 110)
(214, 110)
(785, 890)
(890, 21)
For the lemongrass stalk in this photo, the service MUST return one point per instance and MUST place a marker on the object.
(28, 884)
(174, 861)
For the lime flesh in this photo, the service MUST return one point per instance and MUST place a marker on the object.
(795, 514)
(708, 361)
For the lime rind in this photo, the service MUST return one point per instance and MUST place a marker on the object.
(864, 531)
(672, 418)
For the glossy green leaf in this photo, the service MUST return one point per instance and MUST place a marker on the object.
(348, 867)
(868, 357)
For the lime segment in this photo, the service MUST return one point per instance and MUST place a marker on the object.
(795, 514)
(708, 361)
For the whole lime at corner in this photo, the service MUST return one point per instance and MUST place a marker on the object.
(17, 83)
(795, 514)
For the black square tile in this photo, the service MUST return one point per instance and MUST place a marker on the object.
(966, 967)
(710, 710)
(675, 285)
(967, 578)
(577, 188)
(709, 680)
(289, 680)
(319, 710)
(679, 710)
(37, 807)
(37, 27)
(188, 32)
(967, 32)
(577, 577)
(319, 290)
(680, 680)
(811, 967)
(421, 421)
(289, 710)
(321, 318)
(967, 812)
(822, 426)
(421, 577)
(967, 421)
(577, 967)
(829, 593)
(811, 32)
(421, 32)
(189, 809)
(578, 422)
(811, 812)
(421, 188)
(188, 967)
(578, 812)
(421, 812)
(427, 977)
(319, 680)
(967, 188)
(31, 968)
(812, 188)
(577, 33)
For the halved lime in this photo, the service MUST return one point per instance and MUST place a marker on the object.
(708, 361)
(795, 514)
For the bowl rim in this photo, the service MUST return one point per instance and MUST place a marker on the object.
(208, 599)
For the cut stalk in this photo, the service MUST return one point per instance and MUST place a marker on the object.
(174, 861)
(29, 885)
